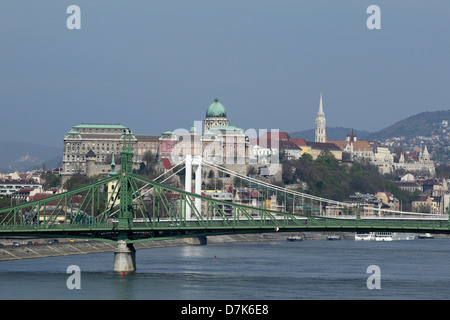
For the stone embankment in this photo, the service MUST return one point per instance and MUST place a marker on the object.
(64, 247)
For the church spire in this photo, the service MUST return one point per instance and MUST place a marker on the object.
(425, 151)
(320, 124)
(425, 155)
(320, 104)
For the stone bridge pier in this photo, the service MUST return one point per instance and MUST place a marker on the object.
(124, 257)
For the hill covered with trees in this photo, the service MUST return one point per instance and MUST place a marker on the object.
(327, 177)
(422, 124)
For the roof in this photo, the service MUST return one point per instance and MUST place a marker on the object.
(357, 145)
(421, 198)
(226, 128)
(280, 140)
(282, 136)
(90, 154)
(406, 184)
(430, 182)
(104, 136)
(39, 196)
(322, 145)
(166, 163)
(216, 109)
(299, 142)
(20, 182)
(147, 138)
(73, 132)
(288, 145)
(361, 145)
(100, 126)
(96, 131)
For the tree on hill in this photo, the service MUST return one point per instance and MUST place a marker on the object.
(147, 167)
(77, 181)
(443, 171)
(328, 178)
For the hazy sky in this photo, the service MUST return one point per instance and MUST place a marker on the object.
(155, 65)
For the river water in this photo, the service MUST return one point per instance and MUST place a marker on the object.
(278, 270)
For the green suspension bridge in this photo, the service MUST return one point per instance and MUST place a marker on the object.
(127, 208)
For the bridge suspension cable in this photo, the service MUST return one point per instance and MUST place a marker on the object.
(277, 188)
(337, 204)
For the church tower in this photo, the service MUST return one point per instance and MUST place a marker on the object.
(424, 156)
(320, 124)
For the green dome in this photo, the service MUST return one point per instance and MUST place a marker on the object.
(216, 109)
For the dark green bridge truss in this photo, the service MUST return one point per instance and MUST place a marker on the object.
(158, 211)
(129, 207)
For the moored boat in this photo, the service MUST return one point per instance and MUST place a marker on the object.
(403, 236)
(364, 236)
(333, 237)
(384, 236)
(425, 236)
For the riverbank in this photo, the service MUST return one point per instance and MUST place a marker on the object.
(64, 247)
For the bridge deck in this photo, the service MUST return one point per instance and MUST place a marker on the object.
(146, 230)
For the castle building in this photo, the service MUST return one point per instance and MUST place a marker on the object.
(357, 150)
(216, 116)
(144, 144)
(88, 149)
(220, 142)
(424, 164)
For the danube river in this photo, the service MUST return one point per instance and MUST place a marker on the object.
(278, 270)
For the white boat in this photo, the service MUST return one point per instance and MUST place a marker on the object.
(365, 236)
(403, 236)
(384, 236)
(294, 238)
(333, 237)
(426, 236)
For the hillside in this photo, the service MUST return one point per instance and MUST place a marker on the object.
(23, 156)
(423, 124)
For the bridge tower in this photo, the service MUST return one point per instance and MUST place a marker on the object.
(193, 163)
(125, 254)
